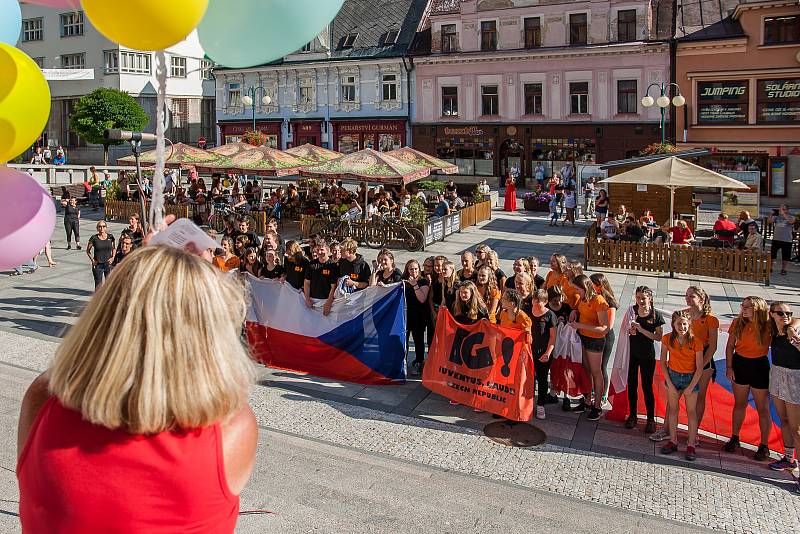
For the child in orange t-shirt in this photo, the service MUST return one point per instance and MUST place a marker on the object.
(682, 370)
(511, 315)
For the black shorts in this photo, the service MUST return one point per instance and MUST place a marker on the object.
(593, 344)
(753, 372)
(784, 246)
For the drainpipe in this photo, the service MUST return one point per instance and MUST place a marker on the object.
(408, 68)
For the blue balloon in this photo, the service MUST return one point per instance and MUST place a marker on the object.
(245, 33)
(10, 21)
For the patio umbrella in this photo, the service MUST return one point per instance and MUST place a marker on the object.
(415, 157)
(179, 156)
(369, 166)
(242, 158)
(313, 153)
(674, 173)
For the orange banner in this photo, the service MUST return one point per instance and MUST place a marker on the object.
(482, 365)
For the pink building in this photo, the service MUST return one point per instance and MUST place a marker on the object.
(535, 81)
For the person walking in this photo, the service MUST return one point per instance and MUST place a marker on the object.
(101, 252)
(72, 221)
(782, 235)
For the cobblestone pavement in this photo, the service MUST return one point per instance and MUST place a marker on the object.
(598, 462)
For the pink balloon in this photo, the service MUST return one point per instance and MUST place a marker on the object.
(61, 4)
(28, 217)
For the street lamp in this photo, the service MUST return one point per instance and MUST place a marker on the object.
(663, 100)
(250, 100)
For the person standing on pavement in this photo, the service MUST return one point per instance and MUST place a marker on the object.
(384, 271)
(571, 204)
(72, 221)
(748, 370)
(782, 235)
(467, 271)
(784, 381)
(101, 252)
(603, 287)
(321, 278)
(353, 266)
(643, 332)
(134, 230)
(124, 250)
(295, 265)
(543, 328)
(417, 312)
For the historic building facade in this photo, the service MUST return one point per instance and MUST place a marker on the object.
(347, 90)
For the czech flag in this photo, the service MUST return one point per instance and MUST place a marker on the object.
(717, 421)
(362, 340)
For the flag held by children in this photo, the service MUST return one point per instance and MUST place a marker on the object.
(482, 365)
(362, 340)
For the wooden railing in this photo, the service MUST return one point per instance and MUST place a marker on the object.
(750, 265)
(117, 210)
(476, 213)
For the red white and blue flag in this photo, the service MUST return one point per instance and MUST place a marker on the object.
(362, 340)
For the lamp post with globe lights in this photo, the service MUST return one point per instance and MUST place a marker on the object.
(251, 98)
(663, 100)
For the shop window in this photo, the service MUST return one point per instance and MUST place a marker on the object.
(579, 98)
(555, 153)
(533, 99)
(722, 102)
(782, 30)
(473, 156)
(577, 29)
(490, 100)
(348, 88)
(348, 144)
(71, 24)
(33, 29)
(387, 142)
(627, 97)
(389, 89)
(449, 101)
(488, 35)
(533, 32)
(626, 25)
(449, 38)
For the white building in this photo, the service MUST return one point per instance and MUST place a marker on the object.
(67, 40)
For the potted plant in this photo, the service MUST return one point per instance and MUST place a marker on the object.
(536, 201)
(658, 148)
(254, 138)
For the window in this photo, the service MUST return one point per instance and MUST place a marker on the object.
(779, 101)
(125, 61)
(626, 25)
(179, 120)
(490, 100)
(177, 67)
(111, 60)
(206, 67)
(71, 24)
(389, 87)
(348, 40)
(488, 35)
(579, 98)
(306, 92)
(33, 29)
(782, 30)
(627, 96)
(533, 99)
(723, 102)
(449, 101)
(39, 61)
(389, 38)
(306, 47)
(234, 95)
(449, 38)
(349, 88)
(73, 61)
(533, 32)
(208, 119)
(577, 29)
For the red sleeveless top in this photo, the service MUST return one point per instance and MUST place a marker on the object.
(77, 477)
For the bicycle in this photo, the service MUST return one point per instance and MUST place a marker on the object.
(331, 228)
(383, 229)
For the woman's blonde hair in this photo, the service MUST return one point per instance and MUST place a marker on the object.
(561, 261)
(158, 347)
(760, 319)
(702, 295)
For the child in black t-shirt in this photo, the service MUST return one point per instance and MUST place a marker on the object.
(322, 276)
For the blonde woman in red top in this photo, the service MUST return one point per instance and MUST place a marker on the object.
(141, 424)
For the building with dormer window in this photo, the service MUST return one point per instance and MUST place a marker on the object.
(346, 90)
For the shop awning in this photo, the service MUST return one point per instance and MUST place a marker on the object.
(179, 156)
(369, 166)
(313, 153)
(415, 157)
(241, 158)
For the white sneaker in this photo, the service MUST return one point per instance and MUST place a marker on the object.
(606, 406)
(659, 435)
(540, 413)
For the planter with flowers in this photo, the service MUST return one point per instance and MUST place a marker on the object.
(537, 201)
(254, 138)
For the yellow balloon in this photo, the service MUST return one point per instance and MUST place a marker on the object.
(24, 102)
(145, 24)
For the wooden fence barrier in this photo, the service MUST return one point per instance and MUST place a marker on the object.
(118, 210)
(750, 265)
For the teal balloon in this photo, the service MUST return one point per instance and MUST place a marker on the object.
(245, 33)
(10, 21)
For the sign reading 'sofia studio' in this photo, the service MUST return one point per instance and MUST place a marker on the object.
(779, 101)
(722, 102)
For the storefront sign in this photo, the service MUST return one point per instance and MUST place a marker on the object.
(472, 131)
(242, 127)
(722, 102)
(370, 127)
(779, 101)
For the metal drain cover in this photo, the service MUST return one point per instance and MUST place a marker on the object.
(514, 434)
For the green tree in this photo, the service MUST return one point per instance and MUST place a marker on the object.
(106, 108)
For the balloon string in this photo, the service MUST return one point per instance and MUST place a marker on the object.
(157, 203)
